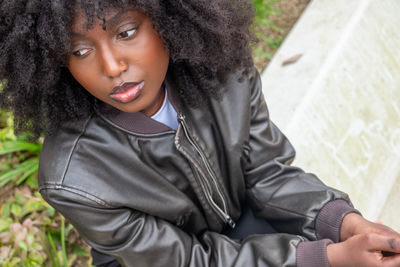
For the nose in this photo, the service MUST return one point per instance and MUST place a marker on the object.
(113, 63)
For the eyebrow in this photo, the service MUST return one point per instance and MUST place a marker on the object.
(77, 34)
(114, 20)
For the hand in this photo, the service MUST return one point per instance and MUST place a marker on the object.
(354, 224)
(365, 250)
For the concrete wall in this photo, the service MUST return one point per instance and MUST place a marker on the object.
(334, 89)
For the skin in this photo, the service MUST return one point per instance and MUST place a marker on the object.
(128, 50)
(364, 243)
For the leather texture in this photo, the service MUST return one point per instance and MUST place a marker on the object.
(158, 198)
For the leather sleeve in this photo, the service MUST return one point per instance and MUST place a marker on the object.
(284, 195)
(137, 239)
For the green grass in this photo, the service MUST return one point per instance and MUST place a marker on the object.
(264, 11)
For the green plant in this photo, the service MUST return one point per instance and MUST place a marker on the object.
(54, 253)
(20, 158)
(23, 218)
(27, 154)
(264, 10)
(61, 252)
(33, 234)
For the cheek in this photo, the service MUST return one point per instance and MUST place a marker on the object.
(81, 74)
(162, 52)
(156, 56)
(160, 62)
(76, 71)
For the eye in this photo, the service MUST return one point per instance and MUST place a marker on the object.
(81, 52)
(127, 34)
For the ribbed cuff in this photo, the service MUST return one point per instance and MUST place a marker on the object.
(313, 253)
(330, 218)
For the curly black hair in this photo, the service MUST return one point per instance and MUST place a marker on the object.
(207, 40)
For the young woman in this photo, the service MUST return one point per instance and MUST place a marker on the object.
(159, 148)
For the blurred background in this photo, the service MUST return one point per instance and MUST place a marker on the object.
(331, 78)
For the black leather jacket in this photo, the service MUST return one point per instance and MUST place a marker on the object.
(152, 196)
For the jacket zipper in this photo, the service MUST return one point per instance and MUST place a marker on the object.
(206, 188)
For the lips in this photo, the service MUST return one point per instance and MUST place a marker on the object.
(127, 92)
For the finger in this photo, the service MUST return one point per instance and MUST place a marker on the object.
(387, 230)
(382, 243)
(392, 261)
(387, 233)
(378, 228)
(393, 232)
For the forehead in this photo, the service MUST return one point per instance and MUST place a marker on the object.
(84, 20)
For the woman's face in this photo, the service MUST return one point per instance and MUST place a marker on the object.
(123, 65)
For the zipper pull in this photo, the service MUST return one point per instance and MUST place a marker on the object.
(181, 117)
(230, 222)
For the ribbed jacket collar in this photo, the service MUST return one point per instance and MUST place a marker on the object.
(138, 122)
